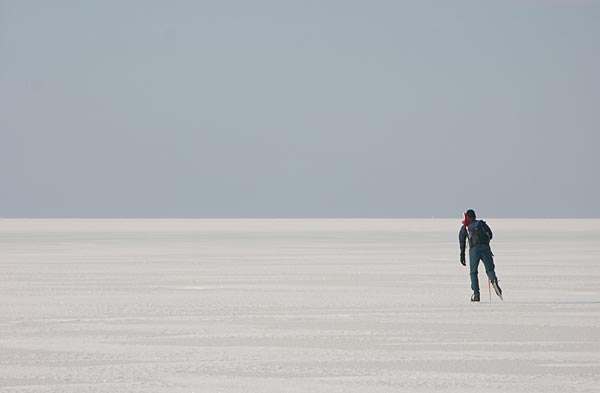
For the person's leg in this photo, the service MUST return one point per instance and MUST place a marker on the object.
(474, 258)
(488, 261)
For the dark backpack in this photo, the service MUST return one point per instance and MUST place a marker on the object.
(479, 234)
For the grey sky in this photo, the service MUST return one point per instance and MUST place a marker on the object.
(299, 108)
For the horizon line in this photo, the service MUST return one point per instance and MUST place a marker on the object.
(286, 218)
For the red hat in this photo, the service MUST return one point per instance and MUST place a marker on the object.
(466, 221)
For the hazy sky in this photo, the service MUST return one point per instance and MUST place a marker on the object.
(299, 108)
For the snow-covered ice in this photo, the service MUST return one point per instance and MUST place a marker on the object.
(295, 306)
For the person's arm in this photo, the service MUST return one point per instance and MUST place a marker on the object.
(462, 241)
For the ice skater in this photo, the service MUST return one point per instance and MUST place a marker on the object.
(479, 235)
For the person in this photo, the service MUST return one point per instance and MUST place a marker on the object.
(479, 235)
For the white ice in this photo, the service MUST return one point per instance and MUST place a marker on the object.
(295, 306)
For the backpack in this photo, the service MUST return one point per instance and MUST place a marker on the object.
(478, 233)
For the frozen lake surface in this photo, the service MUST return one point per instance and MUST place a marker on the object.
(295, 306)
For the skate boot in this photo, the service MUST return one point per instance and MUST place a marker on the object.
(497, 289)
(475, 297)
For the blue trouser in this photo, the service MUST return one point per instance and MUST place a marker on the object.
(481, 253)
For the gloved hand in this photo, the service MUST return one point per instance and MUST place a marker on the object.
(462, 259)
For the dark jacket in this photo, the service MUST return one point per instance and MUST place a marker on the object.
(464, 234)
